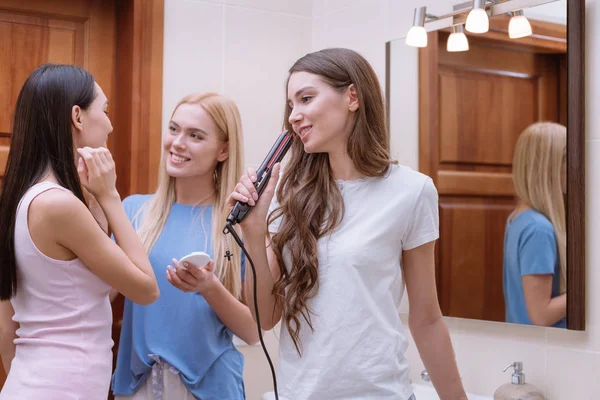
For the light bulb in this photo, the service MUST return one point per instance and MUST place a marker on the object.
(417, 37)
(519, 26)
(477, 20)
(457, 41)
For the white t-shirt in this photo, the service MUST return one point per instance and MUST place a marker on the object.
(357, 348)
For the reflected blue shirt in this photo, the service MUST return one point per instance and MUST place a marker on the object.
(181, 328)
(530, 248)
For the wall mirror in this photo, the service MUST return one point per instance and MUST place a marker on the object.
(481, 74)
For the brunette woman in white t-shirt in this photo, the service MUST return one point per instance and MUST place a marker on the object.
(348, 228)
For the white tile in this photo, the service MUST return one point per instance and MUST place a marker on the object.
(572, 374)
(399, 19)
(592, 66)
(360, 28)
(296, 7)
(195, 1)
(319, 37)
(260, 48)
(592, 232)
(193, 52)
(555, 12)
(318, 8)
(336, 5)
(576, 340)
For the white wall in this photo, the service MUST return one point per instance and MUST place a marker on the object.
(563, 363)
(552, 12)
(243, 49)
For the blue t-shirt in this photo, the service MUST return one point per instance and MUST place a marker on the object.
(530, 248)
(181, 328)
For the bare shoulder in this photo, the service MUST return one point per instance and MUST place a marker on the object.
(58, 207)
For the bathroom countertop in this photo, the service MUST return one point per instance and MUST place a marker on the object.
(427, 392)
(422, 392)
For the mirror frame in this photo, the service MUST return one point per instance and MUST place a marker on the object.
(576, 221)
(575, 213)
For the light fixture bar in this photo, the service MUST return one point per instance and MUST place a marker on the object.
(498, 7)
(460, 11)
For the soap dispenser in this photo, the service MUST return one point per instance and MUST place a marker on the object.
(518, 389)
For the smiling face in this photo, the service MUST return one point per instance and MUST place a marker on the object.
(193, 145)
(321, 115)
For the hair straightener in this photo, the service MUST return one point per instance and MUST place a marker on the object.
(239, 212)
(263, 174)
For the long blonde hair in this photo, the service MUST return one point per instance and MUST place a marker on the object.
(226, 175)
(537, 163)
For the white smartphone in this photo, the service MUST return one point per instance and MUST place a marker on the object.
(198, 258)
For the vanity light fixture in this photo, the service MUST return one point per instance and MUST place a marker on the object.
(472, 16)
(417, 35)
(457, 41)
(519, 25)
(477, 20)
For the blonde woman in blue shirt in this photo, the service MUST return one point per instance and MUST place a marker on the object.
(535, 237)
(181, 346)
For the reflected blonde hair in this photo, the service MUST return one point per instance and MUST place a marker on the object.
(226, 116)
(537, 162)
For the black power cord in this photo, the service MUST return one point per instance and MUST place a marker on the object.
(229, 229)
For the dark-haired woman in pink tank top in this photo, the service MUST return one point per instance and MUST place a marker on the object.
(57, 262)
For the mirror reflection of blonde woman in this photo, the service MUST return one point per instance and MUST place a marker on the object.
(535, 240)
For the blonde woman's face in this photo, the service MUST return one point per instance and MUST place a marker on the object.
(193, 144)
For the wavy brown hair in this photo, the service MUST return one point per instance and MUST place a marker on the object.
(310, 201)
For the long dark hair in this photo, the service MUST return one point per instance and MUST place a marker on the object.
(310, 200)
(41, 140)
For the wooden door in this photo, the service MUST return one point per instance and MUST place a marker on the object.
(473, 106)
(120, 42)
(79, 32)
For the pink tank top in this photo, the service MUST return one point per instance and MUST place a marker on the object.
(64, 344)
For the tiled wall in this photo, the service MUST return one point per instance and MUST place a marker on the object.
(243, 48)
